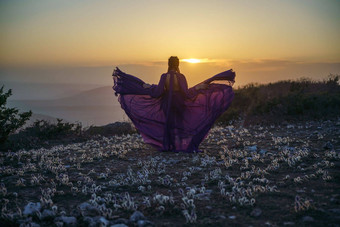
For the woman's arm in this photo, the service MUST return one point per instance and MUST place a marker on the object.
(226, 75)
(146, 85)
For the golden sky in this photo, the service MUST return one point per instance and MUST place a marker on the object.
(99, 33)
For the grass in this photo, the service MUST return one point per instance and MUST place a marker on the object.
(117, 174)
(302, 99)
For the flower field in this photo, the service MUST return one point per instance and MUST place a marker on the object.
(274, 175)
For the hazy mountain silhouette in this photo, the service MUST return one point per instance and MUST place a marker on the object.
(95, 97)
(43, 91)
(96, 106)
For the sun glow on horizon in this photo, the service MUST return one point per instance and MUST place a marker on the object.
(192, 60)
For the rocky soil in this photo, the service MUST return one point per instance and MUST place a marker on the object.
(274, 175)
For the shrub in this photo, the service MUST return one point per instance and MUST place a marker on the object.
(10, 118)
(47, 130)
(286, 100)
(43, 133)
(117, 128)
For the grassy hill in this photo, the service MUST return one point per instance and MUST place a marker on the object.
(286, 100)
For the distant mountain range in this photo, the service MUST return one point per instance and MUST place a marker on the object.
(97, 106)
(39, 91)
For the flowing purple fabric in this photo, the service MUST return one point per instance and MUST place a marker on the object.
(173, 119)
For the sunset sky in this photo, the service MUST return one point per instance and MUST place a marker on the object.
(261, 36)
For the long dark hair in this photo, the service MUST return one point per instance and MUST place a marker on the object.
(173, 64)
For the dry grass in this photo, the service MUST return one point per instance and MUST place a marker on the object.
(274, 175)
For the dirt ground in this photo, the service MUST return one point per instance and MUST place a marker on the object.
(273, 175)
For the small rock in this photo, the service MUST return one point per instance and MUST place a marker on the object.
(119, 225)
(88, 210)
(232, 217)
(47, 214)
(328, 146)
(256, 212)
(144, 223)
(25, 221)
(69, 221)
(252, 148)
(267, 223)
(321, 210)
(172, 161)
(288, 223)
(207, 221)
(59, 223)
(33, 224)
(32, 208)
(290, 149)
(203, 196)
(103, 221)
(307, 219)
(303, 165)
(222, 217)
(84, 206)
(137, 215)
(335, 210)
(89, 221)
(121, 221)
(75, 213)
(262, 151)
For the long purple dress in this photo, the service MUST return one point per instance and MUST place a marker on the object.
(169, 116)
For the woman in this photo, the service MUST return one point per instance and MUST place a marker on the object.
(169, 116)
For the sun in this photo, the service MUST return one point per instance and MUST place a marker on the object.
(192, 60)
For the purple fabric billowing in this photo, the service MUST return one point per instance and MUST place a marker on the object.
(173, 119)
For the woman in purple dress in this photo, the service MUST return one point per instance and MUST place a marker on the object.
(169, 116)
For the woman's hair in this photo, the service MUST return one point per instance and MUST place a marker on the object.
(173, 63)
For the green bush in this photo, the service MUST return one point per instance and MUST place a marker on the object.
(44, 134)
(10, 118)
(284, 100)
(47, 130)
(117, 128)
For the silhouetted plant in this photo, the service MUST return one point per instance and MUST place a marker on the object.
(43, 133)
(10, 118)
(297, 99)
(117, 128)
(47, 130)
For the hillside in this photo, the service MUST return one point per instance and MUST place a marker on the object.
(286, 175)
(302, 99)
(94, 97)
(94, 107)
(37, 91)
(101, 96)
